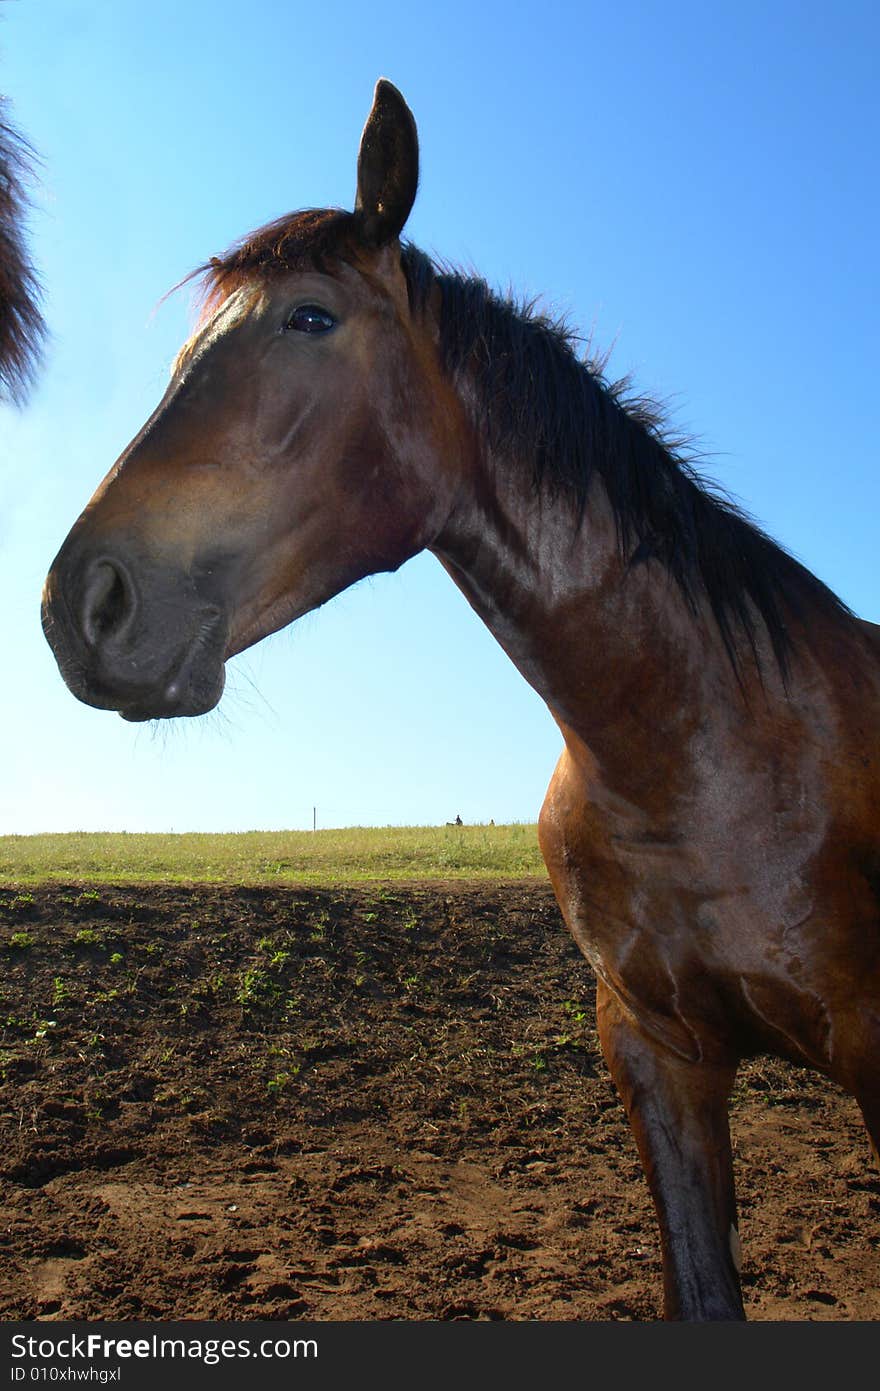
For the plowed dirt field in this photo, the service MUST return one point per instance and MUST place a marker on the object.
(364, 1103)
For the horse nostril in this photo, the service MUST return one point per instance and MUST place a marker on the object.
(108, 602)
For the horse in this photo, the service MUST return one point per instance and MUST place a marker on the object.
(711, 829)
(21, 323)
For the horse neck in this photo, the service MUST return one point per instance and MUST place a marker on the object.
(615, 652)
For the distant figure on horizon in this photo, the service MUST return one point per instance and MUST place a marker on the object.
(457, 822)
(22, 329)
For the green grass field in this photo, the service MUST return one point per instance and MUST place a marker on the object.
(276, 857)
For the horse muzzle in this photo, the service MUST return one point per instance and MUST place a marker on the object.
(134, 636)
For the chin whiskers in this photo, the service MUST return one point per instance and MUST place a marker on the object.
(243, 694)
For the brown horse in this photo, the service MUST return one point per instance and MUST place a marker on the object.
(21, 324)
(711, 830)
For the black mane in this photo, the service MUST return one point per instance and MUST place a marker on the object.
(538, 398)
(21, 324)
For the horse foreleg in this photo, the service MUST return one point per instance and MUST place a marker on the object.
(678, 1113)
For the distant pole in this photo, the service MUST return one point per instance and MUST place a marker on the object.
(314, 818)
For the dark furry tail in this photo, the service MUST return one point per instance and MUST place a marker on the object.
(21, 323)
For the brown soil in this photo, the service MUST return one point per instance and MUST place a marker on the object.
(364, 1103)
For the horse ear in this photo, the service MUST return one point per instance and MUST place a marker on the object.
(388, 166)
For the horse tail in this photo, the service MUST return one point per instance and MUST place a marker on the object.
(22, 329)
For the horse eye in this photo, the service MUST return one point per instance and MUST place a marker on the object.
(310, 318)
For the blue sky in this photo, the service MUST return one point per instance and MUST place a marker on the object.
(693, 183)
